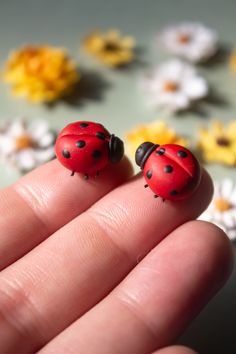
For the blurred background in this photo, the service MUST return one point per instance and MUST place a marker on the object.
(113, 97)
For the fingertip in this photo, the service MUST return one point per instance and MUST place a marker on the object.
(205, 189)
(219, 247)
(124, 169)
(175, 349)
(200, 199)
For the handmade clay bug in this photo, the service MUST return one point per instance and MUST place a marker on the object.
(171, 171)
(87, 148)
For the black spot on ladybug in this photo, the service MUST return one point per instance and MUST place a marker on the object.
(96, 154)
(173, 192)
(149, 174)
(80, 144)
(182, 154)
(168, 169)
(161, 151)
(66, 153)
(100, 135)
(83, 125)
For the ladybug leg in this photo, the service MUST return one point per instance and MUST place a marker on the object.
(97, 173)
(86, 177)
(156, 196)
(72, 173)
(145, 185)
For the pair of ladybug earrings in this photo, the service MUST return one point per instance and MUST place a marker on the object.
(171, 171)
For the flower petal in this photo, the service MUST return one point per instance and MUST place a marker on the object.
(7, 146)
(37, 129)
(231, 234)
(16, 128)
(47, 140)
(25, 160)
(228, 219)
(44, 155)
(227, 187)
(196, 87)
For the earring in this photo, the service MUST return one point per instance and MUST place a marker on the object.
(87, 148)
(171, 171)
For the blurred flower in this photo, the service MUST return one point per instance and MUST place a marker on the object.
(218, 143)
(41, 73)
(110, 48)
(233, 61)
(192, 41)
(157, 132)
(222, 209)
(26, 146)
(174, 85)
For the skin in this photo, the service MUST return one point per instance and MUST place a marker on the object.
(100, 266)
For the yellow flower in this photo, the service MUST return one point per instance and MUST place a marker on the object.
(40, 73)
(110, 48)
(218, 143)
(233, 61)
(157, 132)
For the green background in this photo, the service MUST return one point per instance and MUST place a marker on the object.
(113, 97)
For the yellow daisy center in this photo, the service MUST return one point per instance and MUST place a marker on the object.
(23, 142)
(170, 86)
(184, 38)
(111, 46)
(222, 204)
(222, 141)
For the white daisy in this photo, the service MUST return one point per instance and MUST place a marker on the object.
(26, 145)
(173, 85)
(192, 41)
(222, 210)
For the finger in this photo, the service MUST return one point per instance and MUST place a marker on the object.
(153, 305)
(85, 259)
(175, 349)
(46, 199)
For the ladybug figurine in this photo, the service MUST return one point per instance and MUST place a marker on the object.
(87, 147)
(171, 171)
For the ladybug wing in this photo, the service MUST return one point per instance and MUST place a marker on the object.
(166, 178)
(87, 128)
(84, 154)
(183, 157)
(172, 172)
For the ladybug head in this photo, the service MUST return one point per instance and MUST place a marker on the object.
(116, 149)
(142, 153)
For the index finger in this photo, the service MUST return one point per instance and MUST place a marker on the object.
(45, 200)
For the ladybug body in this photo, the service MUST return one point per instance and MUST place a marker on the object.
(171, 171)
(87, 147)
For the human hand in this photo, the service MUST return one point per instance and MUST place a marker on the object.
(100, 266)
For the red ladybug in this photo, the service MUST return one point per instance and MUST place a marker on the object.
(87, 147)
(171, 171)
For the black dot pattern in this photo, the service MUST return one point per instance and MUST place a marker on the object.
(182, 154)
(83, 125)
(100, 135)
(161, 151)
(149, 174)
(80, 144)
(168, 169)
(66, 153)
(173, 192)
(96, 154)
